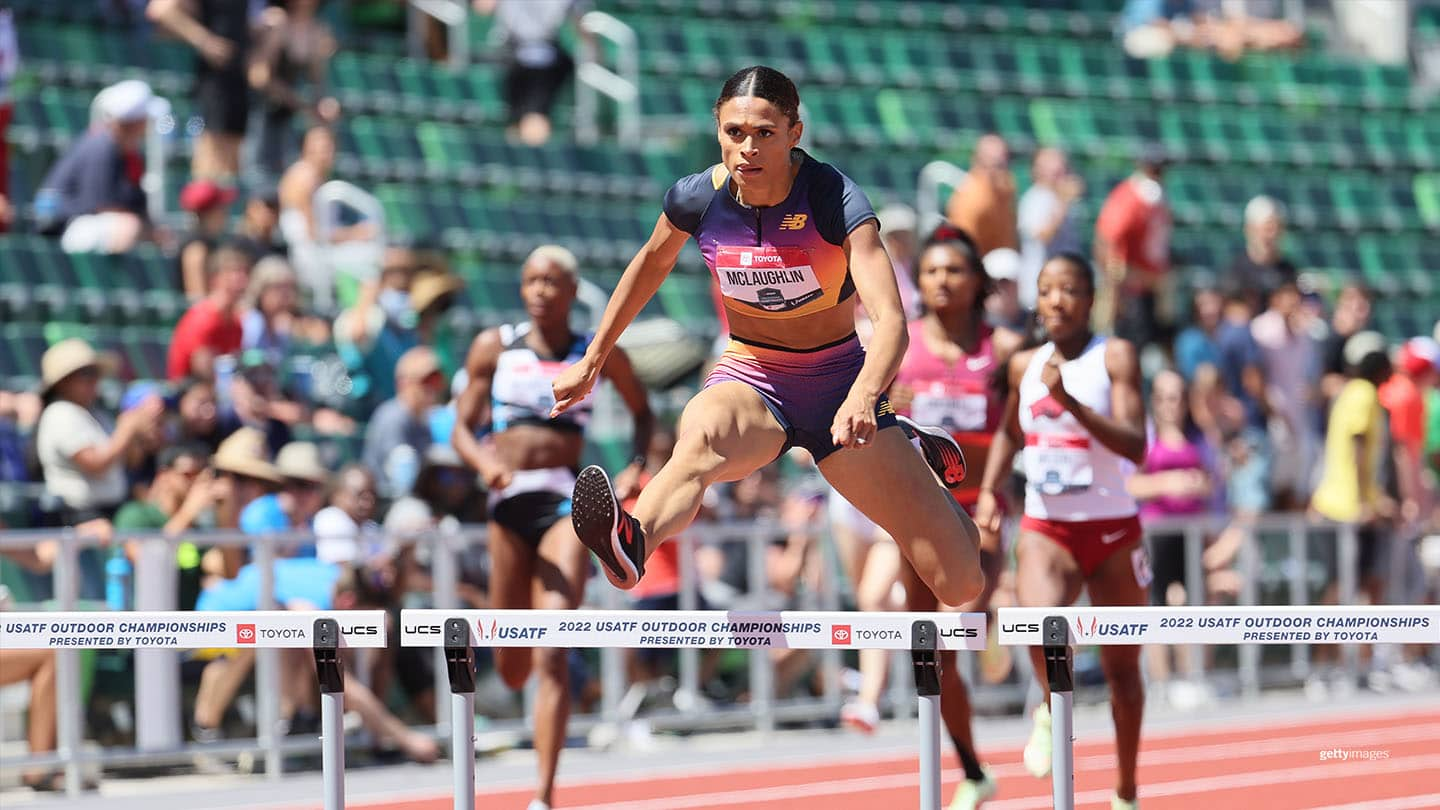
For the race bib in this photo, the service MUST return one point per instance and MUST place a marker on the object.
(957, 408)
(1058, 464)
(767, 279)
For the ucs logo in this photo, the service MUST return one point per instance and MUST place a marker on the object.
(1020, 627)
(839, 634)
(244, 634)
(360, 630)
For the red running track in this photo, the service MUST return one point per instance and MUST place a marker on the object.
(1276, 765)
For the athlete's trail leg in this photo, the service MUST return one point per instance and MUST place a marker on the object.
(890, 484)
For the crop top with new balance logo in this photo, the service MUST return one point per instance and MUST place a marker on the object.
(520, 391)
(782, 261)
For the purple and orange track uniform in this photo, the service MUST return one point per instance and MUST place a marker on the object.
(783, 261)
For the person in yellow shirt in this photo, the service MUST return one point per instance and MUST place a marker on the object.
(1349, 490)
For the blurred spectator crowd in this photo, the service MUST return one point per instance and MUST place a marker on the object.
(1266, 392)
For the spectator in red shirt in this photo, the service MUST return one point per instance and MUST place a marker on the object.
(1132, 247)
(1403, 397)
(211, 327)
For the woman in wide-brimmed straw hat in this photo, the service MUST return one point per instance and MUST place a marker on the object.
(80, 455)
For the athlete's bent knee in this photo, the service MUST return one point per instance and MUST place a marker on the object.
(956, 588)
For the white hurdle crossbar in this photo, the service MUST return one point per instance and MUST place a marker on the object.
(324, 632)
(924, 635)
(1056, 629)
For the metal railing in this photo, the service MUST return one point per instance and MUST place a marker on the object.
(592, 79)
(1288, 578)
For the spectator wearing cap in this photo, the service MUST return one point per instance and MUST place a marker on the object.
(1003, 308)
(372, 335)
(92, 198)
(1261, 267)
(899, 231)
(81, 456)
(983, 205)
(1403, 397)
(211, 327)
(1046, 220)
(294, 506)
(403, 421)
(1132, 251)
(1350, 489)
(210, 203)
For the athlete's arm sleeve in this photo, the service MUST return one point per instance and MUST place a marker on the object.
(686, 201)
(840, 206)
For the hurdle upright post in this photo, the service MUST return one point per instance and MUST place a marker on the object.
(1059, 673)
(331, 675)
(460, 663)
(925, 658)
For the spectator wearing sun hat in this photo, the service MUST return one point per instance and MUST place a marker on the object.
(210, 203)
(294, 506)
(92, 197)
(81, 452)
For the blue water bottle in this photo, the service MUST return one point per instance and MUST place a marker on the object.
(117, 580)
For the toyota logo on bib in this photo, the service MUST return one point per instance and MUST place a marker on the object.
(244, 634)
(839, 634)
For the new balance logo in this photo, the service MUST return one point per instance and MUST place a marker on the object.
(794, 222)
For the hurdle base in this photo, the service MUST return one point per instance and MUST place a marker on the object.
(925, 659)
(460, 664)
(330, 673)
(1059, 674)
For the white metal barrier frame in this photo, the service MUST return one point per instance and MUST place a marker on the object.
(923, 634)
(1056, 629)
(324, 632)
(158, 730)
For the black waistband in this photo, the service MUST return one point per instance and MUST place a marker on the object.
(832, 344)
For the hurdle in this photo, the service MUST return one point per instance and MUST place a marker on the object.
(1057, 629)
(326, 633)
(924, 635)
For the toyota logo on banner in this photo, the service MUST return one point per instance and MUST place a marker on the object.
(839, 634)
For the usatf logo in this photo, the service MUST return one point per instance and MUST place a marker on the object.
(1082, 631)
(794, 222)
(244, 634)
(489, 634)
(839, 634)
(1048, 408)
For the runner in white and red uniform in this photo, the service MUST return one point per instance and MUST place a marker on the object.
(1075, 409)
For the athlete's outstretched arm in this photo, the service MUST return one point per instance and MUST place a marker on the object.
(637, 285)
(874, 278)
(1006, 444)
(1124, 430)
